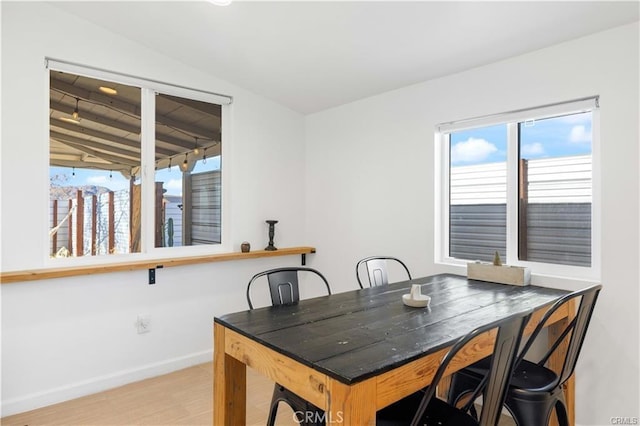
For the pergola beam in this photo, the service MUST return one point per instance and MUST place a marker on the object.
(132, 109)
(63, 137)
(102, 155)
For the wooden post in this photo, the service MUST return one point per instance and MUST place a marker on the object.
(111, 226)
(94, 223)
(70, 225)
(131, 181)
(54, 239)
(159, 213)
(134, 218)
(523, 198)
(80, 224)
(187, 199)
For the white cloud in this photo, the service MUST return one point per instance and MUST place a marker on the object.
(173, 186)
(580, 134)
(472, 150)
(532, 149)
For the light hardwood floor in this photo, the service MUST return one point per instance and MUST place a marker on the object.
(184, 397)
(180, 398)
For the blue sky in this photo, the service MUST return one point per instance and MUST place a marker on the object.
(552, 137)
(115, 181)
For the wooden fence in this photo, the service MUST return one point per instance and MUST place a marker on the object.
(92, 225)
(110, 222)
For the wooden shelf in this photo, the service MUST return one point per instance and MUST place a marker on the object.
(45, 274)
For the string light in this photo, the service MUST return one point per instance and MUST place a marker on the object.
(185, 163)
(73, 171)
(169, 163)
(204, 156)
(110, 174)
(76, 112)
(196, 151)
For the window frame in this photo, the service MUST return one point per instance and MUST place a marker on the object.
(511, 119)
(148, 91)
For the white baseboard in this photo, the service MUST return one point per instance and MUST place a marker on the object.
(99, 384)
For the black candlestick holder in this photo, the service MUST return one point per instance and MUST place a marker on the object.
(272, 228)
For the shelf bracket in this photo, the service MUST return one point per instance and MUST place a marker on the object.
(304, 257)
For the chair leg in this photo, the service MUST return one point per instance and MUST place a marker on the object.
(278, 393)
(305, 413)
(530, 413)
(561, 412)
(273, 410)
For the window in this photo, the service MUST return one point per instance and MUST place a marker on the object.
(134, 165)
(522, 184)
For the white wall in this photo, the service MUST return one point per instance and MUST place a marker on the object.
(370, 186)
(369, 189)
(67, 337)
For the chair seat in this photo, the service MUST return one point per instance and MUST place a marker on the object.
(438, 413)
(526, 376)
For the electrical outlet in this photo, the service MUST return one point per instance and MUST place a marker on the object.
(143, 323)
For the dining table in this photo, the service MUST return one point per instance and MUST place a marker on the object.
(356, 352)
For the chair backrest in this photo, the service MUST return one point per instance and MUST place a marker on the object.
(577, 327)
(496, 382)
(283, 284)
(376, 267)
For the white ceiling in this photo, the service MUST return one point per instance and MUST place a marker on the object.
(310, 56)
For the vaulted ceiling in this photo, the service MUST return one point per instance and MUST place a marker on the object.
(313, 55)
(308, 56)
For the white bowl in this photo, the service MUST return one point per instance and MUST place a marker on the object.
(420, 302)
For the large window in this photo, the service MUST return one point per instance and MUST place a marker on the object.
(134, 165)
(522, 184)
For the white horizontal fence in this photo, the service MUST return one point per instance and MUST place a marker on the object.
(551, 180)
(206, 208)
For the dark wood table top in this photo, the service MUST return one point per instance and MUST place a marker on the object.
(359, 334)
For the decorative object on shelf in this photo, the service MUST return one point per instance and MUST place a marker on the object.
(245, 247)
(498, 273)
(272, 228)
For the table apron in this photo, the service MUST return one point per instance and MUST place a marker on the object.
(299, 378)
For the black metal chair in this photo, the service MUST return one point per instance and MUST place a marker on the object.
(377, 272)
(284, 290)
(423, 408)
(536, 390)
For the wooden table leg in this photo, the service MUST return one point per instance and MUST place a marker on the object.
(229, 384)
(351, 405)
(556, 362)
(442, 391)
